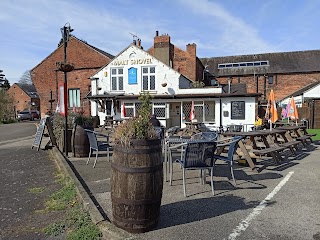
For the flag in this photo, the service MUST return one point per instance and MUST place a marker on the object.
(192, 114)
(293, 113)
(273, 117)
(112, 110)
(123, 110)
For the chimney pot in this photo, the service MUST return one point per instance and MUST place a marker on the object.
(134, 42)
(157, 33)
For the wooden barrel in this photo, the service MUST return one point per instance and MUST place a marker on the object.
(136, 186)
(81, 145)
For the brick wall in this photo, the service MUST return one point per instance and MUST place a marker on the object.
(185, 62)
(283, 84)
(87, 62)
(21, 99)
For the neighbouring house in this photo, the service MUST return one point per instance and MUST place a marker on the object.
(134, 70)
(185, 62)
(307, 100)
(284, 72)
(46, 77)
(25, 97)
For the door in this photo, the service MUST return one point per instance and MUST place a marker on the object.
(175, 114)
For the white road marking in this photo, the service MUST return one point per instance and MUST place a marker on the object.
(257, 210)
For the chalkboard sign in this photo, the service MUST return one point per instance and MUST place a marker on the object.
(39, 134)
(238, 110)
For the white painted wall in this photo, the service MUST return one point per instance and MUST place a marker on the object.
(133, 57)
(313, 92)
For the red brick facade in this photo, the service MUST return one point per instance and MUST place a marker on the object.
(185, 62)
(283, 84)
(21, 100)
(87, 61)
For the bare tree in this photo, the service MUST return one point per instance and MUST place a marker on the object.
(26, 78)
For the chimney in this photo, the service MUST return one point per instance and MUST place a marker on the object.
(139, 42)
(134, 42)
(192, 49)
(163, 50)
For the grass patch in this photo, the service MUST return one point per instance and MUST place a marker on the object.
(317, 131)
(36, 190)
(77, 224)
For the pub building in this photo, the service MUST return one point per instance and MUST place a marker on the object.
(117, 86)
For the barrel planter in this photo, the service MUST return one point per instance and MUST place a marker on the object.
(81, 146)
(136, 185)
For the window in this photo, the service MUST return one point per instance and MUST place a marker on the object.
(74, 97)
(117, 79)
(270, 79)
(148, 78)
(243, 64)
(204, 111)
(159, 109)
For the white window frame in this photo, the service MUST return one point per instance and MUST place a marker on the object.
(117, 76)
(74, 97)
(148, 74)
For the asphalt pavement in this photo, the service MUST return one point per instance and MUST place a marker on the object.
(26, 180)
(280, 202)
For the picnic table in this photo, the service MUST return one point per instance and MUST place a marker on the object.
(298, 133)
(250, 146)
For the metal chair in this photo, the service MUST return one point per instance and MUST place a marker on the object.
(209, 136)
(96, 145)
(231, 144)
(197, 155)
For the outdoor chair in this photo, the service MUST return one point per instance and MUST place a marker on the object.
(197, 155)
(209, 136)
(231, 144)
(96, 145)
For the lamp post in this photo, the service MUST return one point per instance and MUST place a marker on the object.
(65, 31)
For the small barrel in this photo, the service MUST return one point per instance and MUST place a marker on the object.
(81, 144)
(137, 183)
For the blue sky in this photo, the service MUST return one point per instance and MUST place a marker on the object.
(30, 29)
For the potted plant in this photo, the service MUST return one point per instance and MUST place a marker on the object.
(137, 175)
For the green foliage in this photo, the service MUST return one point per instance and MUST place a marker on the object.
(36, 190)
(312, 131)
(8, 121)
(137, 127)
(61, 199)
(55, 229)
(6, 107)
(77, 224)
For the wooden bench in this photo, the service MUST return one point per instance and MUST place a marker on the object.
(303, 139)
(291, 145)
(273, 151)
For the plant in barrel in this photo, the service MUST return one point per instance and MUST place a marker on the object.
(137, 175)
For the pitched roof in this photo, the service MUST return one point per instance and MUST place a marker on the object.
(29, 89)
(95, 48)
(108, 55)
(282, 62)
(301, 90)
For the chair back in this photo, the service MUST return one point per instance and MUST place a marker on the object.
(159, 132)
(92, 139)
(208, 136)
(232, 146)
(199, 154)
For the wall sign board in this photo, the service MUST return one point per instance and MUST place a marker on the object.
(238, 110)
